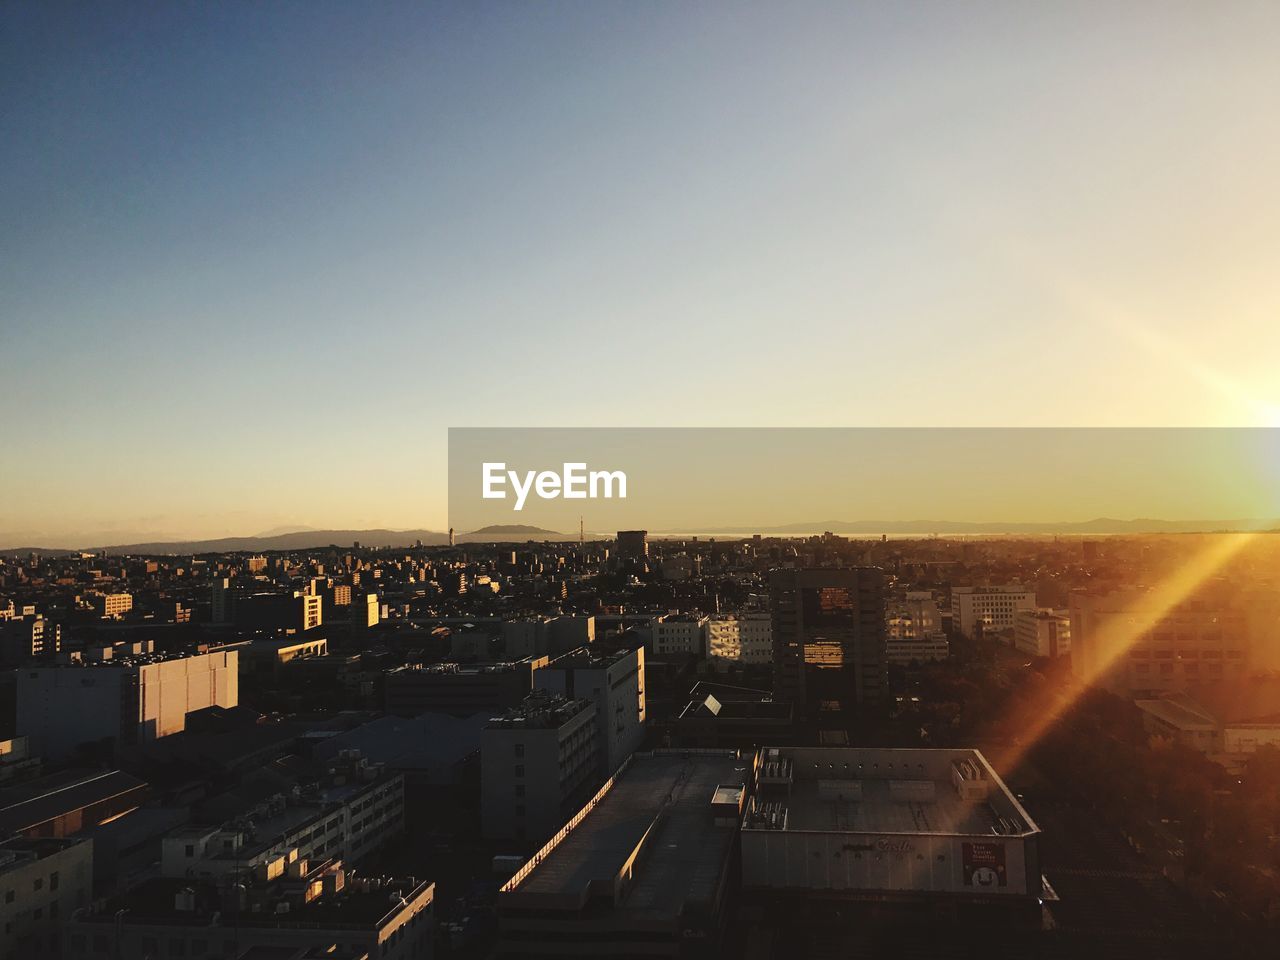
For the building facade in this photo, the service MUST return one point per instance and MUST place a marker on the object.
(829, 635)
(1133, 644)
(679, 635)
(131, 699)
(43, 881)
(614, 682)
(1043, 633)
(536, 762)
(883, 823)
(985, 610)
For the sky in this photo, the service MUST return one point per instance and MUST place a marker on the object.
(256, 259)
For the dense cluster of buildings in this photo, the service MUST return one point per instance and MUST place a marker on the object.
(284, 754)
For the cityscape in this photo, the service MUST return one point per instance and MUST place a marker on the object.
(639, 479)
(759, 747)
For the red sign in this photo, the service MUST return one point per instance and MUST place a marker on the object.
(984, 865)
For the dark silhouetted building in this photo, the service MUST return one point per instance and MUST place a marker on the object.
(829, 636)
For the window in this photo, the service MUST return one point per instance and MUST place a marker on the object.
(519, 749)
(191, 850)
(519, 789)
(519, 769)
(53, 880)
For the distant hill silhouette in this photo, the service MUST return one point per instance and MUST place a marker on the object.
(297, 540)
(1097, 526)
(502, 532)
(517, 533)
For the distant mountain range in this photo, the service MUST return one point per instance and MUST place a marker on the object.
(519, 533)
(514, 532)
(295, 540)
(1097, 526)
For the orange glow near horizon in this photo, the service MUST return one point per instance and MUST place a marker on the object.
(1117, 636)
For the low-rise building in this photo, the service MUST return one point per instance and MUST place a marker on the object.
(1043, 633)
(299, 904)
(887, 823)
(988, 610)
(1132, 643)
(459, 689)
(740, 639)
(614, 682)
(43, 882)
(536, 762)
(1231, 719)
(130, 697)
(679, 635)
(721, 716)
(643, 869)
(64, 803)
(345, 814)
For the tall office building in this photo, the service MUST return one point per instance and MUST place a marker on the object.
(223, 600)
(633, 544)
(829, 636)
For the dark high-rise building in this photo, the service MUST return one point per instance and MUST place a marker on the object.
(633, 544)
(829, 636)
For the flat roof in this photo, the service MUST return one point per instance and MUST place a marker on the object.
(875, 810)
(153, 901)
(890, 790)
(684, 850)
(586, 657)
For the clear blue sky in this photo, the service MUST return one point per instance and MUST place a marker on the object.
(257, 257)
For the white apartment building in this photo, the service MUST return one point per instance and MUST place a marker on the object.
(1043, 633)
(745, 638)
(991, 609)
